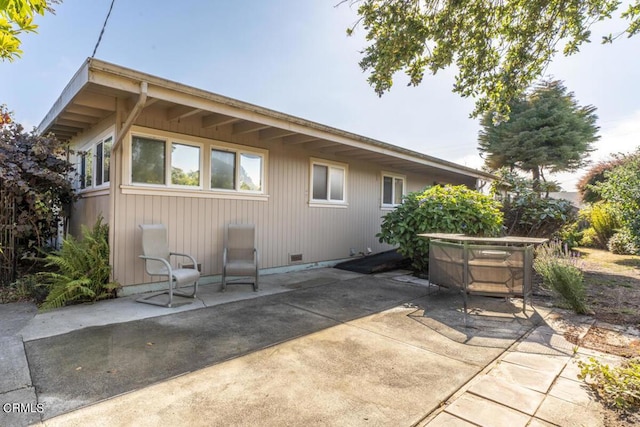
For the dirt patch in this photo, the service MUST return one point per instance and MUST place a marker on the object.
(612, 283)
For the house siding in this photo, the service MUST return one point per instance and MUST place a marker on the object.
(286, 223)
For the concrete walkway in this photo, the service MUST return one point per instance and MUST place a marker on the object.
(317, 347)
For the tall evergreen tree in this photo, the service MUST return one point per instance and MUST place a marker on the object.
(547, 131)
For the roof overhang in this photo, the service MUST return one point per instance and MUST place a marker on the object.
(97, 87)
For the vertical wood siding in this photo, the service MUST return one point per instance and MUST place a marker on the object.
(286, 224)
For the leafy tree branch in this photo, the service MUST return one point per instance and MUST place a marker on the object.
(499, 48)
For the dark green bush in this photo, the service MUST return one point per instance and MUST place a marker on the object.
(528, 212)
(448, 209)
(83, 269)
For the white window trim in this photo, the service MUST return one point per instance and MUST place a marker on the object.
(328, 203)
(206, 145)
(394, 176)
(93, 145)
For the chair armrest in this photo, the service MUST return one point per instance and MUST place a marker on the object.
(193, 260)
(257, 256)
(162, 260)
(224, 257)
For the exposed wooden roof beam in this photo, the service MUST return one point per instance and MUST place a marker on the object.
(72, 123)
(214, 120)
(274, 133)
(80, 118)
(299, 139)
(87, 111)
(248, 127)
(180, 112)
(319, 145)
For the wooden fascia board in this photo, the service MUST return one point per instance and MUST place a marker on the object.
(77, 82)
(128, 80)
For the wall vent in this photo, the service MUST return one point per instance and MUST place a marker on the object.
(293, 258)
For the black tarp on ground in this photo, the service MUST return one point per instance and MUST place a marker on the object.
(377, 263)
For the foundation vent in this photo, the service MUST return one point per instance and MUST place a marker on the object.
(294, 258)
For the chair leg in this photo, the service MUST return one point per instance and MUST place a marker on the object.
(173, 290)
(224, 280)
(255, 283)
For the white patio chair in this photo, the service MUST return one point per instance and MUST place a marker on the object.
(240, 255)
(156, 254)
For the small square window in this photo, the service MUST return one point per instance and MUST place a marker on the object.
(392, 190)
(328, 182)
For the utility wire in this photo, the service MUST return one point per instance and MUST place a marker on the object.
(103, 27)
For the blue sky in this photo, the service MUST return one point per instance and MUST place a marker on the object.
(294, 56)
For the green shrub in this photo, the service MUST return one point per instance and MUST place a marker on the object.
(589, 238)
(622, 243)
(605, 220)
(83, 269)
(448, 209)
(534, 216)
(561, 275)
(619, 387)
(26, 288)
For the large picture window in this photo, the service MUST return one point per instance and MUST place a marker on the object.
(328, 182)
(393, 189)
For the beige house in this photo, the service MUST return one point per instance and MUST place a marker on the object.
(149, 150)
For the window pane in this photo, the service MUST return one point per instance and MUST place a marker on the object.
(148, 161)
(250, 172)
(387, 190)
(99, 163)
(185, 165)
(223, 166)
(88, 169)
(106, 159)
(83, 169)
(320, 182)
(336, 179)
(398, 191)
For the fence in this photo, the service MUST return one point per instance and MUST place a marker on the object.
(8, 258)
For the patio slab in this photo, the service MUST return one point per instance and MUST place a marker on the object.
(320, 347)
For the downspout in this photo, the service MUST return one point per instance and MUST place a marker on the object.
(133, 115)
(116, 179)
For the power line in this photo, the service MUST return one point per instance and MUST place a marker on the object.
(103, 27)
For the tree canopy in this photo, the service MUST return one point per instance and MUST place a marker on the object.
(500, 48)
(547, 130)
(16, 18)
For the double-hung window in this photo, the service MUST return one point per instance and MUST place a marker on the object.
(328, 182)
(393, 189)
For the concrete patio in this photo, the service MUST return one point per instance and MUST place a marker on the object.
(314, 347)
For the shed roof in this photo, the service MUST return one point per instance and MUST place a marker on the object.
(96, 88)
